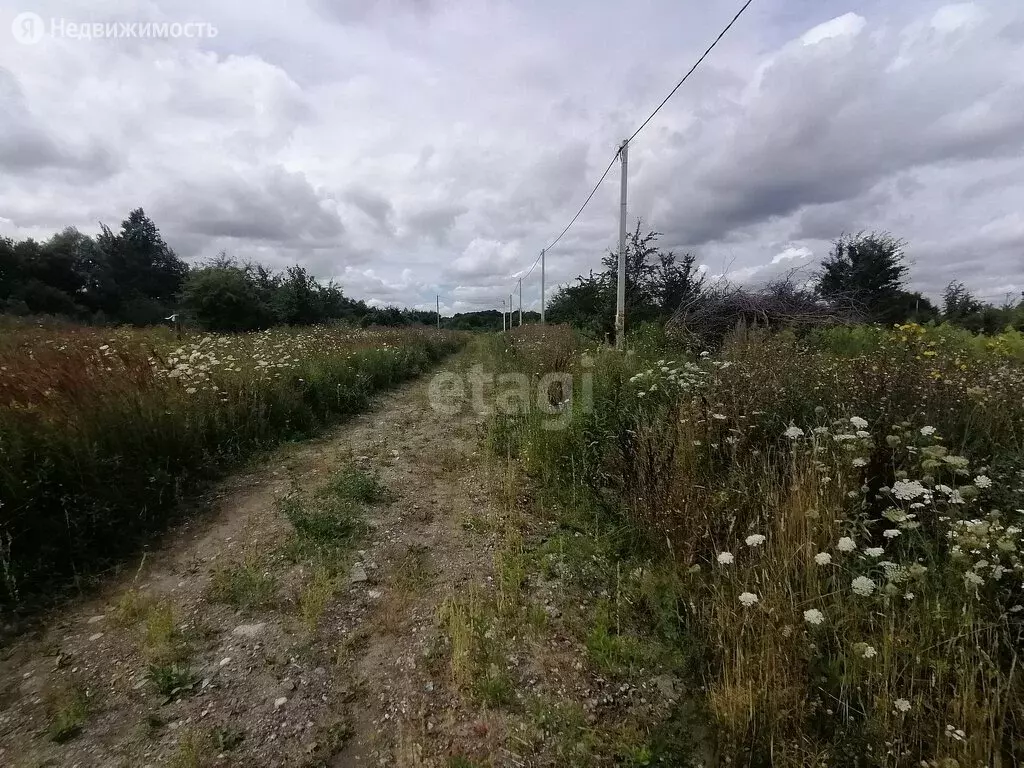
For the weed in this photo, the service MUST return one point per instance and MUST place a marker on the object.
(246, 587)
(163, 643)
(315, 595)
(196, 749)
(356, 485)
(324, 529)
(228, 738)
(171, 679)
(68, 709)
(132, 607)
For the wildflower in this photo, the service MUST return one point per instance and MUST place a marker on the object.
(874, 551)
(973, 579)
(907, 490)
(956, 734)
(823, 558)
(814, 616)
(863, 434)
(858, 422)
(981, 481)
(755, 540)
(891, 533)
(718, 416)
(866, 651)
(901, 705)
(927, 431)
(725, 558)
(859, 462)
(748, 598)
(794, 433)
(846, 544)
(863, 586)
(190, 391)
(908, 596)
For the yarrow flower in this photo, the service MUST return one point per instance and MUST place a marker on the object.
(814, 616)
(981, 481)
(891, 533)
(793, 433)
(901, 705)
(748, 598)
(859, 462)
(874, 551)
(927, 431)
(725, 558)
(858, 422)
(755, 540)
(863, 586)
(846, 544)
(823, 558)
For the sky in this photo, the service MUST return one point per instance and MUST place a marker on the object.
(415, 148)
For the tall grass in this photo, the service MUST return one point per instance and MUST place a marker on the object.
(830, 528)
(102, 432)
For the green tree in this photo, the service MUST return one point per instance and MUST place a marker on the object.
(224, 296)
(138, 276)
(867, 270)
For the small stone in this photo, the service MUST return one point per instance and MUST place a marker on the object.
(357, 575)
(225, 661)
(374, 594)
(96, 619)
(97, 636)
(278, 703)
(288, 684)
(249, 630)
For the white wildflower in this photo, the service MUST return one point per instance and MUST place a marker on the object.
(973, 579)
(907, 490)
(725, 558)
(981, 481)
(865, 650)
(748, 598)
(863, 586)
(859, 462)
(755, 540)
(794, 433)
(823, 558)
(874, 551)
(814, 616)
(863, 434)
(846, 544)
(858, 422)
(891, 533)
(927, 431)
(901, 705)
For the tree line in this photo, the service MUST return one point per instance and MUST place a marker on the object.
(132, 276)
(865, 273)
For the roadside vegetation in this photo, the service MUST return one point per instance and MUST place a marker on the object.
(103, 431)
(815, 538)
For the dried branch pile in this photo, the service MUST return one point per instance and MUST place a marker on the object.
(712, 314)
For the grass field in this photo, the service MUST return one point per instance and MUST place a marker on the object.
(820, 536)
(102, 431)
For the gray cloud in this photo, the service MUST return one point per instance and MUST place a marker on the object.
(409, 148)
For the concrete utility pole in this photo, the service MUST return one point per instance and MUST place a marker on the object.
(510, 312)
(620, 294)
(542, 286)
(503, 328)
(520, 302)
(438, 301)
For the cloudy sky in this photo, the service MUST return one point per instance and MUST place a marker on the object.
(409, 148)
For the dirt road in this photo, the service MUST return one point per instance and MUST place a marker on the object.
(260, 684)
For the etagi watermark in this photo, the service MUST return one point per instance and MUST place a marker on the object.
(29, 28)
(555, 396)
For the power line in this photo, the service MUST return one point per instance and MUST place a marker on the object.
(643, 125)
(692, 69)
(585, 202)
